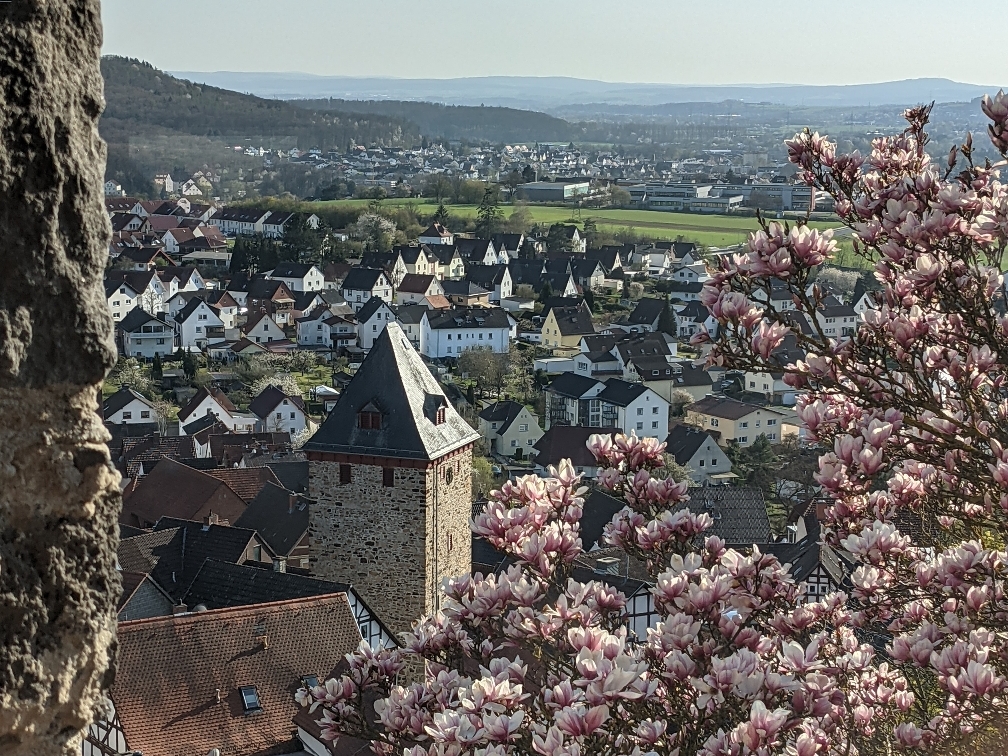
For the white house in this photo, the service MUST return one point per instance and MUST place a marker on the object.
(198, 324)
(121, 298)
(361, 284)
(128, 289)
(697, 450)
(145, 335)
(574, 399)
(436, 234)
(298, 276)
(450, 333)
(276, 412)
(263, 330)
(371, 321)
(127, 407)
(211, 401)
(494, 278)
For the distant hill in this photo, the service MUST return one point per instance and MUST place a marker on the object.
(550, 92)
(139, 99)
(492, 124)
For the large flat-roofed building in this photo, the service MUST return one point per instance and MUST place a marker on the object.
(554, 191)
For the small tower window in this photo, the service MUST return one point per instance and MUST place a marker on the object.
(369, 418)
(388, 477)
(344, 474)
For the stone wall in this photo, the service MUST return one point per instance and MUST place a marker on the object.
(60, 498)
(392, 543)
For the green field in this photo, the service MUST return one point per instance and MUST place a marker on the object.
(711, 230)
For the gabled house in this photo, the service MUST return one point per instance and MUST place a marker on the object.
(361, 284)
(465, 293)
(125, 290)
(510, 428)
(144, 335)
(494, 278)
(694, 317)
(646, 314)
(181, 278)
(588, 274)
(562, 442)
(263, 329)
(168, 666)
(836, 319)
(209, 401)
(416, 287)
(574, 399)
(391, 262)
(436, 234)
(172, 489)
(128, 407)
(609, 257)
(697, 450)
(239, 221)
(729, 420)
(298, 277)
(564, 327)
(372, 319)
(477, 251)
(508, 244)
(449, 333)
(272, 297)
(277, 412)
(449, 261)
(417, 258)
(198, 324)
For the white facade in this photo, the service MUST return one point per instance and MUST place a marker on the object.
(313, 280)
(369, 330)
(153, 338)
(647, 415)
(286, 416)
(193, 331)
(136, 412)
(264, 331)
(121, 301)
(437, 343)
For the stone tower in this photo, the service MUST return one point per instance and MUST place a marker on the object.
(391, 470)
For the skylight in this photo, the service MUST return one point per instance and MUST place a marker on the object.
(250, 699)
(310, 681)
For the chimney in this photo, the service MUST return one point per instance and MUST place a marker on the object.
(607, 565)
(217, 694)
(820, 511)
(211, 519)
(180, 609)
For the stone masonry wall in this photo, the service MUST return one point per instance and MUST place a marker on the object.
(59, 496)
(392, 544)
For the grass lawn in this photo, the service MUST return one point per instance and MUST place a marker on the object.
(712, 230)
(320, 375)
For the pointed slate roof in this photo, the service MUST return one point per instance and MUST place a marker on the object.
(395, 380)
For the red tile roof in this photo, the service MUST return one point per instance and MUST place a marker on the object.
(171, 670)
(176, 490)
(247, 482)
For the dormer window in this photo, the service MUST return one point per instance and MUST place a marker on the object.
(369, 418)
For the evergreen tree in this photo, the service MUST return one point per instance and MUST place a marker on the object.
(157, 371)
(667, 321)
(488, 216)
(545, 292)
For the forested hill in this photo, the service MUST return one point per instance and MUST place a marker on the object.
(491, 124)
(140, 99)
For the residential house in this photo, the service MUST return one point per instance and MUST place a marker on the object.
(449, 261)
(836, 319)
(391, 262)
(562, 442)
(263, 329)
(415, 287)
(278, 413)
(334, 274)
(646, 314)
(510, 428)
(862, 300)
(209, 401)
(730, 420)
(610, 257)
(372, 319)
(226, 306)
(410, 319)
(668, 378)
(697, 450)
(494, 278)
(770, 383)
(685, 291)
(361, 284)
(564, 327)
(172, 489)
(298, 277)
(451, 332)
(272, 297)
(574, 399)
(128, 407)
(588, 274)
(181, 278)
(417, 258)
(198, 324)
(436, 234)
(273, 649)
(144, 335)
(239, 221)
(693, 318)
(125, 290)
(508, 244)
(465, 293)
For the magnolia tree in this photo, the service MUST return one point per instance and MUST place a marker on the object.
(911, 412)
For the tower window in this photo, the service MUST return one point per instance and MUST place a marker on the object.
(388, 477)
(369, 420)
(344, 474)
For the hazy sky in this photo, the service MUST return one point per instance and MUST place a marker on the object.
(666, 41)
